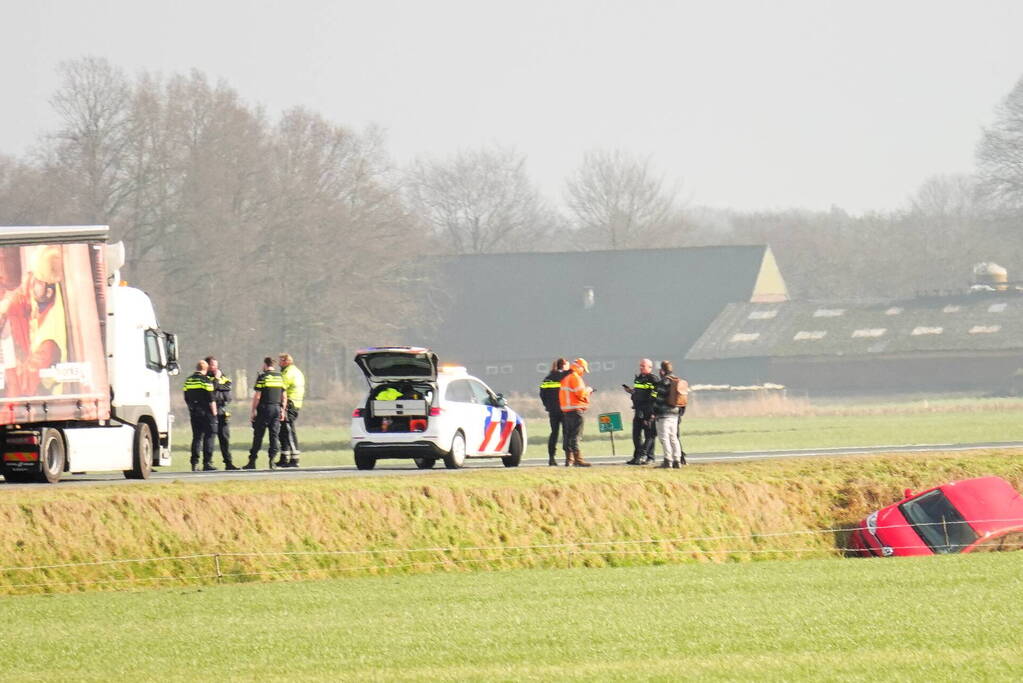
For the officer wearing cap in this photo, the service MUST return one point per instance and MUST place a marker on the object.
(574, 399)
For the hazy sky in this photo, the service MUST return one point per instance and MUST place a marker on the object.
(746, 104)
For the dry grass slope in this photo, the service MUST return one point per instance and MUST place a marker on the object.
(456, 522)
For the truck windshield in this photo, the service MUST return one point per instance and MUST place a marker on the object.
(938, 523)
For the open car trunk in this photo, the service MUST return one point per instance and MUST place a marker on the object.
(402, 406)
(402, 382)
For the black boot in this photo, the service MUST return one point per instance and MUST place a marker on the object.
(552, 461)
(251, 465)
(229, 465)
(636, 460)
(207, 466)
(195, 466)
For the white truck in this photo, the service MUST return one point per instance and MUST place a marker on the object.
(85, 367)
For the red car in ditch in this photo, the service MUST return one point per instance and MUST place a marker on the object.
(981, 514)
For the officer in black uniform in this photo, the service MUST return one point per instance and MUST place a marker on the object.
(550, 389)
(644, 425)
(222, 396)
(267, 412)
(202, 411)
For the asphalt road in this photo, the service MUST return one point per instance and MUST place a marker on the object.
(392, 468)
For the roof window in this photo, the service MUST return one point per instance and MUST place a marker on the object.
(811, 335)
(745, 337)
(870, 332)
(996, 308)
(762, 315)
(828, 312)
(894, 310)
(985, 329)
(917, 331)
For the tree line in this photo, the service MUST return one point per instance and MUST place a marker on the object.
(258, 234)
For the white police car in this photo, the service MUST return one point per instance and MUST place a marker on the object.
(416, 410)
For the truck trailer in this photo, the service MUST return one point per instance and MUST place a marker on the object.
(85, 381)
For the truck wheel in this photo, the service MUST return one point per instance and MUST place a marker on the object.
(365, 462)
(142, 453)
(51, 456)
(455, 458)
(425, 463)
(514, 450)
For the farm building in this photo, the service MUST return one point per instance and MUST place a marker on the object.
(511, 314)
(967, 342)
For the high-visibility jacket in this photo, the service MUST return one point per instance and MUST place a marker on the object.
(644, 389)
(389, 394)
(575, 395)
(294, 385)
(270, 386)
(198, 390)
(221, 389)
(550, 390)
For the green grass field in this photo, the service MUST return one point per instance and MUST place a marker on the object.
(330, 446)
(939, 618)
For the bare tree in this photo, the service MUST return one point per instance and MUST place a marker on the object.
(479, 201)
(1000, 152)
(93, 102)
(618, 200)
(947, 196)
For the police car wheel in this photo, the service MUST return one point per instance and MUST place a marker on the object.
(455, 458)
(425, 463)
(365, 462)
(514, 456)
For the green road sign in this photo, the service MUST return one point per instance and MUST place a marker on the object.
(610, 422)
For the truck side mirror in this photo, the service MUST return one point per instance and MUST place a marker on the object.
(172, 353)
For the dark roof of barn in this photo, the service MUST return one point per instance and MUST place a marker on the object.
(653, 302)
(978, 322)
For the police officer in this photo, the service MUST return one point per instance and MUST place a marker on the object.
(550, 391)
(294, 388)
(644, 428)
(267, 412)
(202, 411)
(222, 396)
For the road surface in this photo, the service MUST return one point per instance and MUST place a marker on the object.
(391, 468)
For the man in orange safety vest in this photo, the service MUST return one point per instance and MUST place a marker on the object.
(575, 399)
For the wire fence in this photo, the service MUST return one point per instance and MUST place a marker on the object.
(219, 567)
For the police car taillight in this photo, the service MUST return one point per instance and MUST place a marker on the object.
(357, 412)
(434, 411)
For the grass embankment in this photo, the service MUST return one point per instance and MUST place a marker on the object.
(457, 521)
(883, 425)
(934, 618)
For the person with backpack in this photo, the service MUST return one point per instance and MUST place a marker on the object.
(550, 395)
(669, 405)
